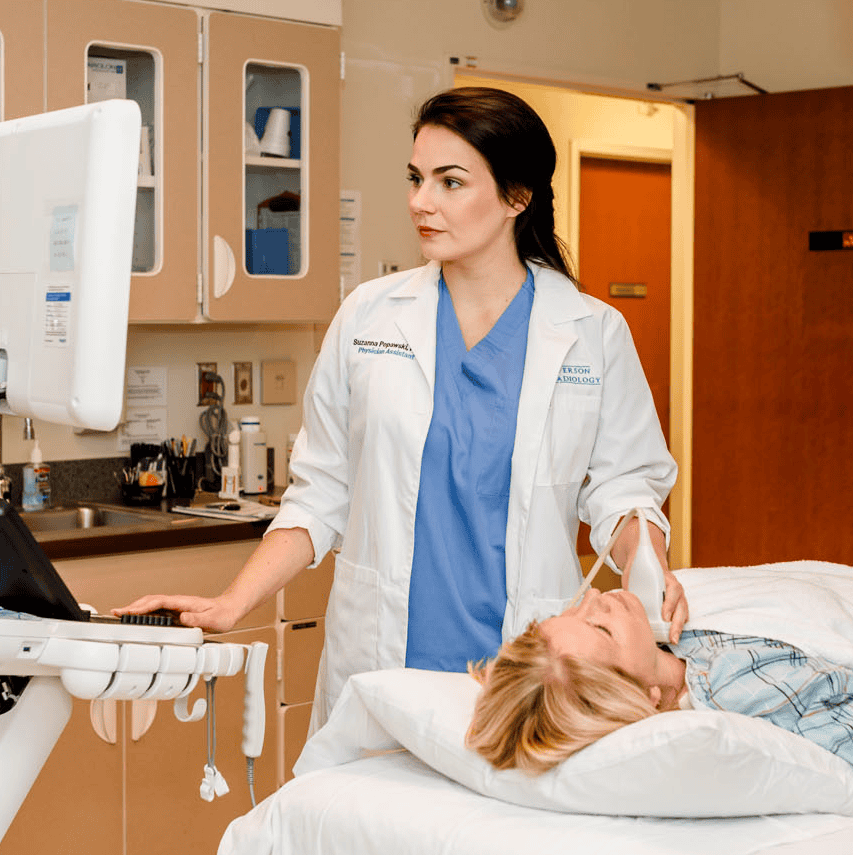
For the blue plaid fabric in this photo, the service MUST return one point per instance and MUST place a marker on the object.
(5, 613)
(769, 679)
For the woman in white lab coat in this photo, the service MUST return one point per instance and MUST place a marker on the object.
(460, 420)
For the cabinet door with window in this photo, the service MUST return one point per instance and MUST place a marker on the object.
(237, 207)
(271, 169)
(99, 49)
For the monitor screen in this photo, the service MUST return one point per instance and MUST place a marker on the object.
(67, 208)
(28, 580)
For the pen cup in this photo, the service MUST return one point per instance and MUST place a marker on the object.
(182, 478)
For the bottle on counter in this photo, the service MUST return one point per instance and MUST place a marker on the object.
(231, 473)
(253, 456)
(36, 496)
(5, 485)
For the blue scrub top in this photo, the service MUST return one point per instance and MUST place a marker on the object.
(457, 595)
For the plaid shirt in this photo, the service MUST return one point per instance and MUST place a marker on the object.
(769, 679)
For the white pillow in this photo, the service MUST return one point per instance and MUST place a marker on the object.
(677, 764)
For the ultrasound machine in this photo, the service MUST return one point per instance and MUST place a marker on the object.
(67, 209)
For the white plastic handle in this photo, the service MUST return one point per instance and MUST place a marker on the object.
(197, 712)
(646, 580)
(224, 268)
(142, 713)
(102, 714)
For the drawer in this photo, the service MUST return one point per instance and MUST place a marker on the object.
(293, 721)
(300, 643)
(107, 581)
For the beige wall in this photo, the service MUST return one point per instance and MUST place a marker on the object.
(784, 45)
(178, 349)
(397, 54)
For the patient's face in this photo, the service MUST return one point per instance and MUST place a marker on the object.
(611, 629)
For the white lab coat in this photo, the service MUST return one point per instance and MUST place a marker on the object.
(588, 445)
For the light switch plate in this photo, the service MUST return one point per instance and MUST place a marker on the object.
(278, 381)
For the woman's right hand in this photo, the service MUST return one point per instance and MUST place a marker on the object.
(213, 615)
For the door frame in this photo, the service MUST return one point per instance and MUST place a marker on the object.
(680, 156)
(682, 160)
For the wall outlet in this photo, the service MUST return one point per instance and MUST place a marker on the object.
(206, 385)
(243, 383)
(386, 267)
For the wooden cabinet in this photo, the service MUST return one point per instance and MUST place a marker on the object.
(310, 11)
(158, 47)
(76, 804)
(139, 795)
(200, 77)
(257, 65)
(165, 767)
(22, 56)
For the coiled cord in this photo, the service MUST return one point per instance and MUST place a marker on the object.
(214, 424)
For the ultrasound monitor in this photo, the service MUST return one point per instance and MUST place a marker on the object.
(67, 208)
(28, 580)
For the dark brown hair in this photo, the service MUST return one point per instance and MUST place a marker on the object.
(514, 142)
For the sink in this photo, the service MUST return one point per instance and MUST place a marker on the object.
(88, 516)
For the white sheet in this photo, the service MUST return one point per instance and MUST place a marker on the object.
(395, 805)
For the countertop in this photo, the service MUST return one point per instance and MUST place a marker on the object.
(158, 529)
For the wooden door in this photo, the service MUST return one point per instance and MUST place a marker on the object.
(624, 259)
(170, 35)
(624, 254)
(236, 43)
(773, 330)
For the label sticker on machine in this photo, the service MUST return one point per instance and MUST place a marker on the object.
(63, 231)
(57, 315)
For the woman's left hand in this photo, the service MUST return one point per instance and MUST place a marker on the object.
(675, 607)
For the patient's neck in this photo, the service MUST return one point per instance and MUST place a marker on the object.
(671, 679)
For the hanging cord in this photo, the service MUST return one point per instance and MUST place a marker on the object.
(211, 722)
(214, 424)
(213, 784)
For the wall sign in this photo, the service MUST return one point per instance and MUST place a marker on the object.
(627, 289)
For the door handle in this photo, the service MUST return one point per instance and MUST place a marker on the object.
(224, 268)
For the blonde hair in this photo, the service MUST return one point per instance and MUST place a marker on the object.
(537, 708)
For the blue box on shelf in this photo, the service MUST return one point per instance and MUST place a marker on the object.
(263, 113)
(267, 251)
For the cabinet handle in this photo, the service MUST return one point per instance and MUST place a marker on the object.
(223, 266)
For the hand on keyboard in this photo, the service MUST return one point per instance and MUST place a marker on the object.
(207, 613)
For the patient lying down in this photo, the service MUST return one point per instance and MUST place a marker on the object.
(573, 678)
